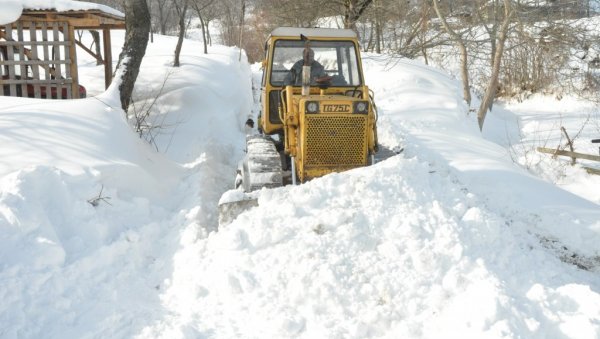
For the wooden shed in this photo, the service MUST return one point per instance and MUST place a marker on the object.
(38, 53)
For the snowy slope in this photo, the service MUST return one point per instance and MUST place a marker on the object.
(448, 239)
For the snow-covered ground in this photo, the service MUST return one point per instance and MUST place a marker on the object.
(103, 237)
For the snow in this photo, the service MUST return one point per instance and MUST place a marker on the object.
(101, 235)
(12, 9)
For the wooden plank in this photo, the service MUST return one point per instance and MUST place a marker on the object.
(569, 154)
(89, 51)
(31, 43)
(34, 62)
(37, 81)
(46, 54)
(56, 56)
(73, 59)
(35, 70)
(11, 68)
(21, 49)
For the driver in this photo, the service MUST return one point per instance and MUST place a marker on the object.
(294, 77)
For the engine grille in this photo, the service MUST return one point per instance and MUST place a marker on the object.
(335, 141)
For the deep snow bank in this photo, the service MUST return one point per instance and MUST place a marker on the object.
(90, 214)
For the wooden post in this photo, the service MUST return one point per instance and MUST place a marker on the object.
(22, 67)
(34, 48)
(47, 57)
(56, 59)
(107, 58)
(73, 59)
(11, 67)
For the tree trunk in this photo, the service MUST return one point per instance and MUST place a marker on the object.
(137, 27)
(464, 65)
(96, 37)
(378, 36)
(162, 17)
(181, 11)
(208, 37)
(242, 28)
(490, 93)
(203, 23)
(353, 10)
(204, 42)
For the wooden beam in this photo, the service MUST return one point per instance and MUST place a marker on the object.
(56, 56)
(90, 19)
(37, 81)
(568, 154)
(11, 56)
(108, 73)
(34, 61)
(89, 51)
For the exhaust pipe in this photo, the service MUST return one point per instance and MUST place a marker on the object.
(305, 80)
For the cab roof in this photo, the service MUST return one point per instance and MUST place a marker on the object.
(313, 32)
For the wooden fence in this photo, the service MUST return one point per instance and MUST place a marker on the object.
(573, 156)
(38, 59)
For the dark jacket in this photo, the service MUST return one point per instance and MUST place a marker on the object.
(294, 77)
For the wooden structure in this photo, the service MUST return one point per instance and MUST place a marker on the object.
(573, 155)
(38, 51)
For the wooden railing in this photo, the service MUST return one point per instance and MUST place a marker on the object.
(574, 156)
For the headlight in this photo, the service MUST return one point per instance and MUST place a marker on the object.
(312, 107)
(361, 107)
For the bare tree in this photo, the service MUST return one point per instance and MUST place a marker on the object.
(459, 40)
(353, 10)
(492, 85)
(291, 12)
(200, 6)
(137, 27)
(163, 13)
(181, 7)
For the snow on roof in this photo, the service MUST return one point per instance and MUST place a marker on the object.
(12, 9)
(314, 32)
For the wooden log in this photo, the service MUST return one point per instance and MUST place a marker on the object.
(568, 153)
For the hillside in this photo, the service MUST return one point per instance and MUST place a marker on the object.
(103, 236)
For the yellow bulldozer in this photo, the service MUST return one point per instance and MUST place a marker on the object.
(317, 114)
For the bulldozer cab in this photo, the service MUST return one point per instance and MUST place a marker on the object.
(336, 67)
(335, 59)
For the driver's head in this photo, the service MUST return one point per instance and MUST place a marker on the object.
(309, 55)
